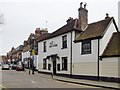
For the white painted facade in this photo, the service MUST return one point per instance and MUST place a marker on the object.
(55, 50)
(86, 64)
(25, 55)
(108, 34)
(35, 61)
(109, 67)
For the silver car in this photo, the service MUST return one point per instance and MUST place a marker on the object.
(5, 67)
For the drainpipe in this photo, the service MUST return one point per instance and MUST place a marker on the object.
(98, 70)
(71, 57)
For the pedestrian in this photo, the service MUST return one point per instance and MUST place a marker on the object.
(32, 69)
(32, 64)
(29, 65)
(52, 75)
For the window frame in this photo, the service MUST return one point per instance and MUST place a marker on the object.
(64, 64)
(86, 47)
(44, 46)
(44, 63)
(64, 41)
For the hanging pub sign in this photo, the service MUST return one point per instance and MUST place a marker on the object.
(33, 52)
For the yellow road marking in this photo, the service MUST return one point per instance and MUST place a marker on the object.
(32, 81)
(1, 86)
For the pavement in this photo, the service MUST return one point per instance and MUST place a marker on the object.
(103, 84)
(21, 80)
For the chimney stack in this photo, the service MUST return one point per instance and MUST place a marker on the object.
(107, 16)
(82, 17)
(69, 20)
(37, 31)
(44, 31)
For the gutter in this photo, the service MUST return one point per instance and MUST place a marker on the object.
(98, 68)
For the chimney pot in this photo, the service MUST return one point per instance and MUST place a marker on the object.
(81, 4)
(85, 5)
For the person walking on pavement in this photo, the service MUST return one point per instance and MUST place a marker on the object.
(29, 65)
(32, 64)
(52, 75)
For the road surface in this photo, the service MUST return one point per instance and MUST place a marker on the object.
(21, 79)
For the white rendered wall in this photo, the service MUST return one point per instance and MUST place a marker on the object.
(25, 55)
(55, 50)
(85, 64)
(105, 40)
(109, 67)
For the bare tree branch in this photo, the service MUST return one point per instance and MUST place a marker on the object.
(1, 19)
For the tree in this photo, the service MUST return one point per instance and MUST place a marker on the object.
(1, 19)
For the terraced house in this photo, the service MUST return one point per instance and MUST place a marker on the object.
(31, 44)
(82, 50)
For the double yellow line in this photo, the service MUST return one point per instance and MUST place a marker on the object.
(1, 86)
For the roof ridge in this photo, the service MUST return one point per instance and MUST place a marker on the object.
(101, 20)
(63, 26)
(95, 30)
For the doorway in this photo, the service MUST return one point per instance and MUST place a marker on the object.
(54, 67)
(54, 63)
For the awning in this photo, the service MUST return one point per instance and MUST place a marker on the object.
(52, 56)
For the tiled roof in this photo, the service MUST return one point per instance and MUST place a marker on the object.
(66, 28)
(43, 36)
(113, 47)
(94, 30)
(26, 48)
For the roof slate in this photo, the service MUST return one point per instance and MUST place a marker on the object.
(113, 47)
(94, 30)
(43, 36)
(26, 48)
(66, 28)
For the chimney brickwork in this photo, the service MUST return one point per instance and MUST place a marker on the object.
(82, 17)
(39, 31)
(70, 19)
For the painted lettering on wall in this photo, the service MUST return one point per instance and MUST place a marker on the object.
(52, 44)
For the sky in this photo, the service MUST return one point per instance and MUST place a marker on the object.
(22, 17)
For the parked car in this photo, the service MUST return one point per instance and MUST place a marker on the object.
(0, 63)
(26, 63)
(5, 66)
(13, 66)
(20, 66)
